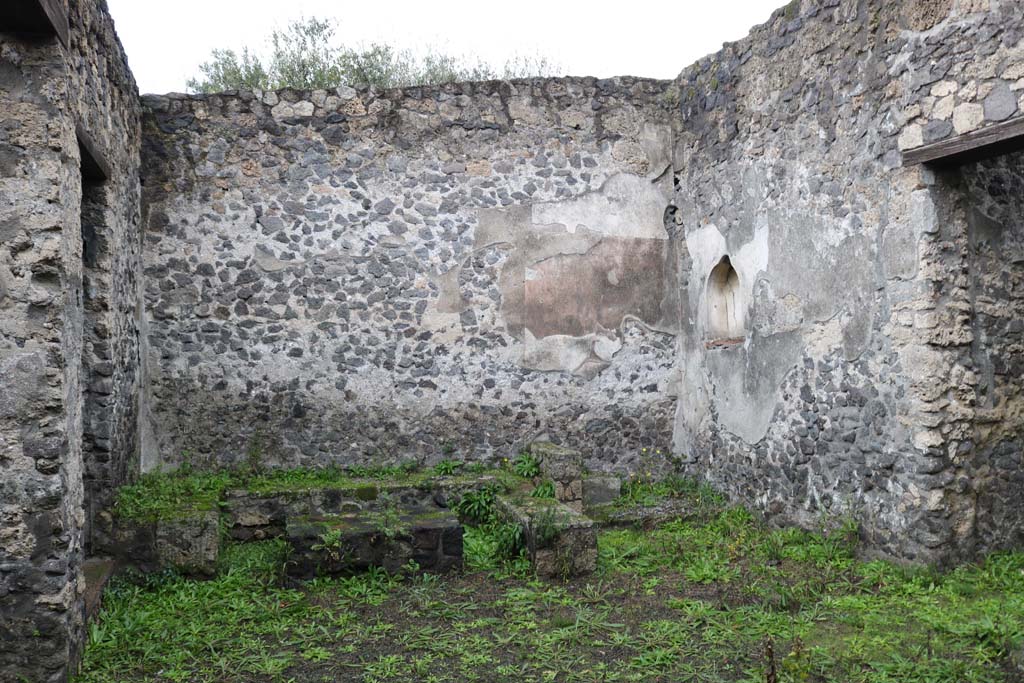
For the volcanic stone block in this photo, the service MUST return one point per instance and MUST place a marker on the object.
(356, 541)
(557, 462)
(258, 515)
(560, 541)
(600, 491)
(564, 467)
(190, 543)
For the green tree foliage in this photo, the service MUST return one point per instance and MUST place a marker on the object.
(307, 55)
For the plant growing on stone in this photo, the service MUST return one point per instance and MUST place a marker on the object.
(332, 543)
(545, 489)
(390, 521)
(546, 526)
(476, 467)
(477, 506)
(402, 469)
(526, 466)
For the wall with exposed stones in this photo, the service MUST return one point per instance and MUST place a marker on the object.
(46, 90)
(994, 213)
(852, 389)
(731, 273)
(360, 276)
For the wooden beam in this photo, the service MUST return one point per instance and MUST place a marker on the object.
(95, 167)
(1001, 138)
(35, 18)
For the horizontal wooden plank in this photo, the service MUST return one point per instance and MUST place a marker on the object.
(35, 17)
(988, 142)
(95, 167)
(58, 17)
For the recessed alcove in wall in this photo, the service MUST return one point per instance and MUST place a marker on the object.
(726, 313)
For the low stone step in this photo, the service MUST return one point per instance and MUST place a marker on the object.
(649, 516)
(560, 541)
(355, 541)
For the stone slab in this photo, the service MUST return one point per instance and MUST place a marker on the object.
(258, 515)
(600, 491)
(355, 541)
(190, 544)
(560, 541)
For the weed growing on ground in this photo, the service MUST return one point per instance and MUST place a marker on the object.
(447, 468)
(719, 597)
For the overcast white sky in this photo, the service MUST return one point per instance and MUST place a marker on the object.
(166, 41)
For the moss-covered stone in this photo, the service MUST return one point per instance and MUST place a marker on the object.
(560, 541)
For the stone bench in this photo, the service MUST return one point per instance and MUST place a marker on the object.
(189, 542)
(560, 541)
(355, 541)
(259, 515)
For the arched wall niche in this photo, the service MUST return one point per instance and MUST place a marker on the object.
(726, 311)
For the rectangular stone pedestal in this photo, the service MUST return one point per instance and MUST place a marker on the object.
(354, 542)
(560, 541)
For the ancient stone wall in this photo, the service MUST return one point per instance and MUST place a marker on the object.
(994, 206)
(848, 392)
(359, 276)
(46, 91)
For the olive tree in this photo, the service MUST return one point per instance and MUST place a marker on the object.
(306, 55)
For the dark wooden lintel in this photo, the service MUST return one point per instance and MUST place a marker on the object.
(95, 167)
(986, 143)
(35, 17)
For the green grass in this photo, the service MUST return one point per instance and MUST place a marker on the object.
(713, 597)
(166, 496)
(640, 491)
(693, 600)
(173, 495)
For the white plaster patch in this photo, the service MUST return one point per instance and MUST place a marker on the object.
(564, 353)
(625, 206)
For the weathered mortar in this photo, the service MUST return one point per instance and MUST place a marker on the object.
(358, 275)
(354, 276)
(849, 394)
(994, 204)
(45, 91)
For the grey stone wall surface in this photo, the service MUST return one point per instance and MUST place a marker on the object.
(353, 276)
(994, 206)
(360, 276)
(852, 391)
(732, 273)
(46, 90)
